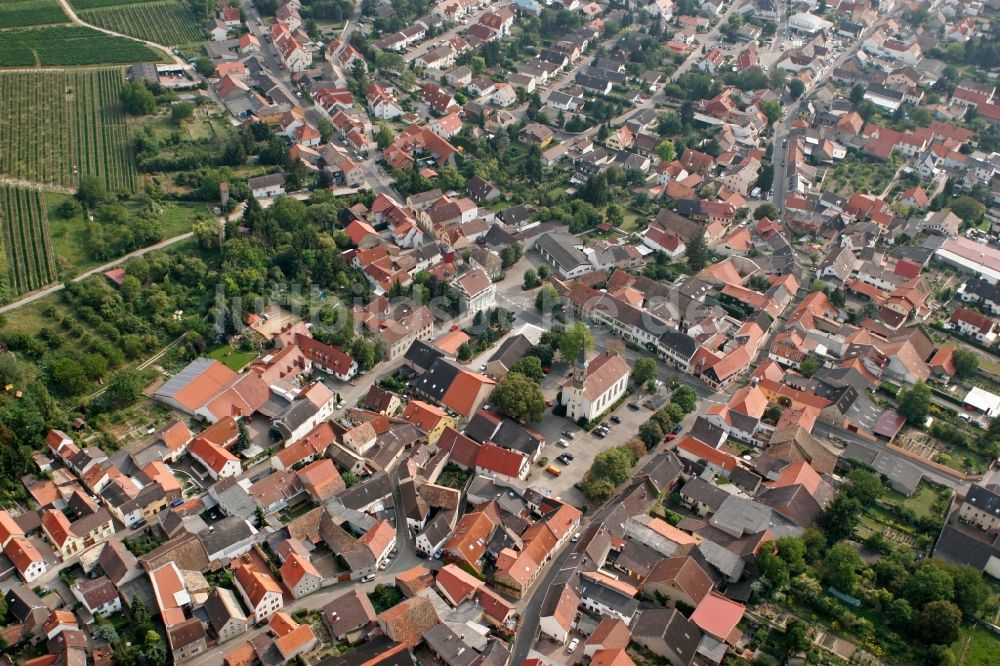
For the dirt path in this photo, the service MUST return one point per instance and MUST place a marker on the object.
(159, 47)
(35, 185)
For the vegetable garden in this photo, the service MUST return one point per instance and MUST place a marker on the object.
(69, 45)
(56, 126)
(21, 13)
(29, 262)
(168, 22)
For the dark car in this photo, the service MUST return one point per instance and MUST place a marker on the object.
(634, 407)
(568, 456)
(678, 428)
(567, 434)
(616, 419)
(599, 434)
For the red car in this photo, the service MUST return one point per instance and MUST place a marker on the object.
(671, 437)
(546, 370)
(454, 327)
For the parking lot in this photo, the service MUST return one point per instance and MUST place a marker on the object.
(585, 445)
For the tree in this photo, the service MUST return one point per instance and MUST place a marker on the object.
(204, 66)
(967, 208)
(575, 338)
(771, 109)
(864, 486)
(125, 387)
(697, 251)
(792, 551)
(938, 623)
(913, 403)
(651, 433)
(530, 279)
(137, 99)
(971, 591)
(778, 78)
(966, 363)
(325, 128)
(685, 397)
(614, 465)
(547, 298)
(519, 397)
(773, 568)
(91, 192)
(840, 567)
(67, 376)
(857, 94)
(809, 366)
(543, 271)
(666, 151)
(529, 366)
(840, 518)
(795, 88)
(643, 370)
(930, 582)
(766, 210)
(384, 136)
(181, 111)
(900, 613)
(796, 638)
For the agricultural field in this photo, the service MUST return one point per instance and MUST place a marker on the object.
(22, 13)
(168, 22)
(59, 45)
(28, 259)
(56, 126)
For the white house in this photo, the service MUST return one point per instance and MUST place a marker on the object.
(23, 555)
(219, 462)
(476, 292)
(271, 185)
(98, 595)
(595, 385)
(260, 592)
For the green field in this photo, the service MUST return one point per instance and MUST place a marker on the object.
(235, 359)
(21, 13)
(55, 126)
(29, 263)
(97, 4)
(976, 647)
(69, 45)
(168, 22)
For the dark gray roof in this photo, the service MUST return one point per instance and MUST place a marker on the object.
(967, 545)
(234, 500)
(439, 527)
(117, 561)
(670, 626)
(222, 606)
(422, 355)
(986, 499)
(745, 479)
(436, 381)
(983, 290)
(270, 180)
(413, 505)
(512, 349)
(709, 494)
(360, 495)
(562, 248)
(704, 431)
(638, 558)
(610, 597)
(228, 531)
(662, 470)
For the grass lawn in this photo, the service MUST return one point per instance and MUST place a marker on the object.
(232, 358)
(922, 501)
(631, 222)
(29, 319)
(976, 646)
(69, 236)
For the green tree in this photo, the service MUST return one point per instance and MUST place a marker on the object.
(966, 363)
(519, 397)
(614, 465)
(967, 208)
(547, 298)
(91, 192)
(930, 582)
(971, 590)
(666, 151)
(651, 433)
(643, 370)
(792, 551)
(810, 365)
(771, 109)
(938, 623)
(529, 366)
(864, 486)
(326, 129)
(68, 376)
(384, 137)
(766, 210)
(575, 338)
(900, 613)
(914, 403)
(598, 490)
(181, 111)
(840, 518)
(137, 99)
(125, 387)
(796, 637)
(531, 280)
(840, 567)
(685, 397)
(778, 78)
(795, 88)
(697, 251)
(204, 66)
(774, 569)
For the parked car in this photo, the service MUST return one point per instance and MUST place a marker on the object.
(563, 443)
(616, 419)
(572, 645)
(568, 456)
(567, 434)
(634, 407)
(678, 428)
(367, 579)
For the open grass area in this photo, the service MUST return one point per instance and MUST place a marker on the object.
(234, 359)
(976, 647)
(168, 22)
(68, 45)
(27, 251)
(22, 13)
(69, 235)
(57, 126)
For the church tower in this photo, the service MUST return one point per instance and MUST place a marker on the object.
(580, 370)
